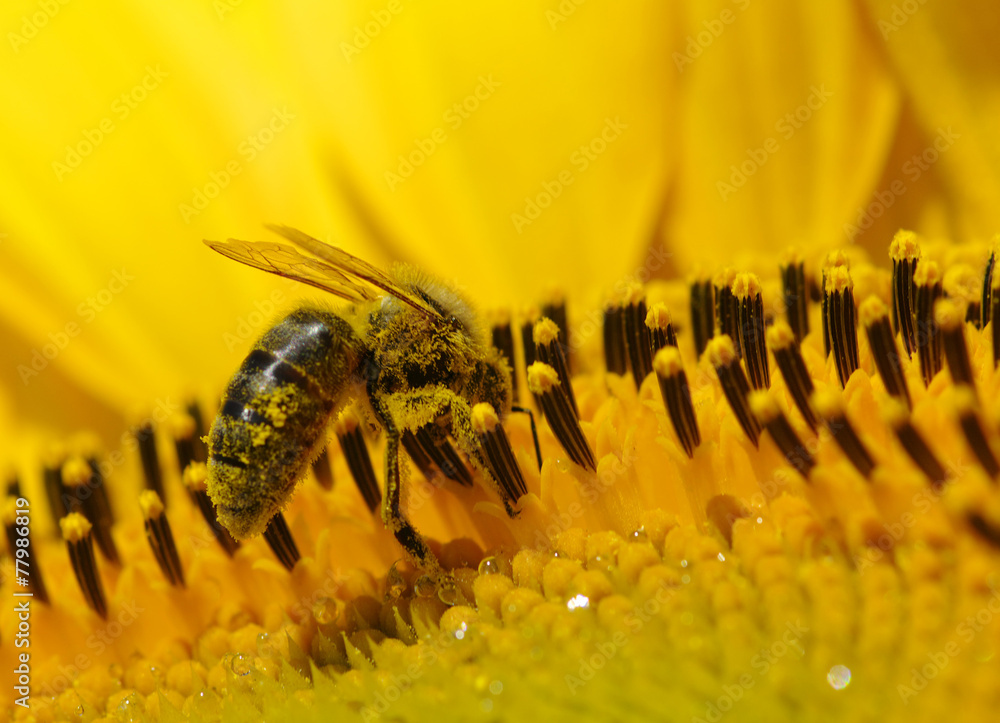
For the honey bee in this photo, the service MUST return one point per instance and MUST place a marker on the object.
(408, 349)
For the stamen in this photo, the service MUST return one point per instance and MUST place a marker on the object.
(499, 455)
(503, 341)
(842, 321)
(897, 416)
(793, 284)
(529, 316)
(76, 531)
(183, 429)
(615, 349)
(875, 318)
(11, 512)
(322, 470)
(160, 537)
(352, 442)
(543, 381)
(834, 260)
(975, 433)
(727, 308)
(927, 282)
(702, 313)
(950, 317)
(637, 337)
(776, 423)
(995, 317)
(194, 477)
(200, 432)
(279, 539)
(904, 253)
(986, 530)
(555, 309)
(661, 328)
(746, 289)
(438, 448)
(82, 484)
(987, 298)
(534, 431)
(55, 491)
(549, 350)
(788, 356)
(830, 408)
(145, 435)
(722, 355)
(677, 397)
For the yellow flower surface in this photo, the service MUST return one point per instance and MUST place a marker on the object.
(798, 521)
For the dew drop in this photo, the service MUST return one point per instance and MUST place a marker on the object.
(240, 664)
(486, 705)
(685, 579)
(448, 593)
(326, 611)
(640, 535)
(395, 585)
(684, 563)
(562, 465)
(264, 647)
(489, 566)
(496, 687)
(839, 677)
(722, 558)
(579, 601)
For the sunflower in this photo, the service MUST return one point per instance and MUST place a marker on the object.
(766, 459)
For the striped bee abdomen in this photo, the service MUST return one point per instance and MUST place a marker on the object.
(274, 413)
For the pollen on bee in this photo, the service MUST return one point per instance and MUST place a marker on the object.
(76, 531)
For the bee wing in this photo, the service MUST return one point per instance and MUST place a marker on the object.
(352, 266)
(285, 261)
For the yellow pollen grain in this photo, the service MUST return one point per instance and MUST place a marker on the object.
(872, 310)
(279, 403)
(658, 316)
(261, 433)
(545, 332)
(542, 378)
(347, 422)
(182, 426)
(746, 286)
(724, 279)
(827, 403)
(150, 504)
(838, 280)
(668, 362)
(721, 352)
(949, 313)
(195, 476)
(904, 246)
(75, 527)
(927, 273)
(780, 335)
(763, 406)
(836, 259)
(484, 418)
(76, 472)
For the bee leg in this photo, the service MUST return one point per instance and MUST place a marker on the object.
(392, 513)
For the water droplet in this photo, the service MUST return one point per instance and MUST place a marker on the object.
(448, 592)
(839, 677)
(240, 664)
(685, 579)
(496, 687)
(562, 465)
(395, 585)
(489, 566)
(722, 558)
(684, 563)
(424, 586)
(460, 632)
(640, 535)
(579, 601)
(326, 611)
(486, 705)
(264, 647)
(760, 520)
